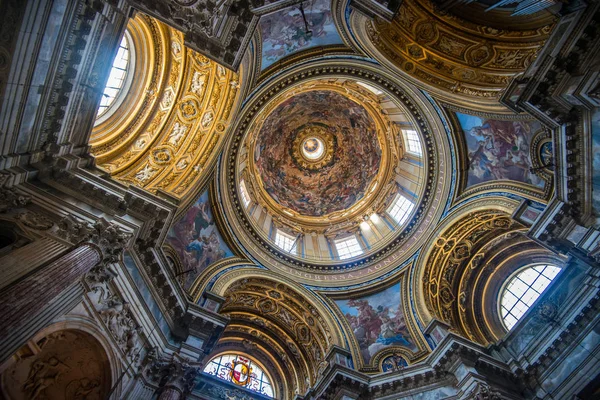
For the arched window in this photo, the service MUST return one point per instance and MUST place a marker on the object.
(522, 290)
(241, 371)
(118, 74)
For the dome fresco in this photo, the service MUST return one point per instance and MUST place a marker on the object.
(328, 124)
(325, 173)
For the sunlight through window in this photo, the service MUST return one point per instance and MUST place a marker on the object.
(523, 290)
(244, 194)
(413, 142)
(116, 79)
(400, 209)
(348, 247)
(285, 241)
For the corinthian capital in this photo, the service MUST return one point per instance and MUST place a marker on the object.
(107, 236)
(173, 372)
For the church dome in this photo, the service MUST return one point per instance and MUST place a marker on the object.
(329, 173)
(317, 153)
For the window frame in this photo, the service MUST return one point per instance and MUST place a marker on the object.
(252, 363)
(414, 145)
(396, 204)
(349, 254)
(286, 238)
(246, 200)
(126, 82)
(505, 288)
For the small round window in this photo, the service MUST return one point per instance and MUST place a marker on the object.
(117, 78)
(522, 290)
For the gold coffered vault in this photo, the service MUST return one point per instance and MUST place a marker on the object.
(299, 200)
(170, 125)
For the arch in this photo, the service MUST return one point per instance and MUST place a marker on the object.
(460, 212)
(170, 126)
(223, 283)
(285, 321)
(460, 62)
(73, 350)
(457, 278)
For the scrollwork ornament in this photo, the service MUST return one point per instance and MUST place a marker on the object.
(10, 199)
(35, 221)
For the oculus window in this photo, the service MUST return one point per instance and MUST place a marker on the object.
(348, 247)
(242, 371)
(285, 241)
(400, 209)
(522, 290)
(116, 79)
(413, 142)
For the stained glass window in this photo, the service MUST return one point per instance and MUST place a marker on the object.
(116, 79)
(241, 371)
(523, 290)
(400, 209)
(348, 247)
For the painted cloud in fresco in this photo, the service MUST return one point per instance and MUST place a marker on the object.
(284, 33)
(377, 322)
(197, 241)
(334, 187)
(499, 150)
(596, 160)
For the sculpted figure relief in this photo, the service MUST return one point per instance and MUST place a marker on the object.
(69, 364)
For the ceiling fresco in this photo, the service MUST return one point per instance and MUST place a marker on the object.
(499, 150)
(378, 322)
(350, 137)
(284, 31)
(196, 241)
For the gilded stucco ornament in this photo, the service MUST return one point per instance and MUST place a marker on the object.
(286, 321)
(459, 60)
(169, 127)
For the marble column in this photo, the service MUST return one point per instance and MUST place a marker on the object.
(170, 393)
(52, 290)
(24, 300)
